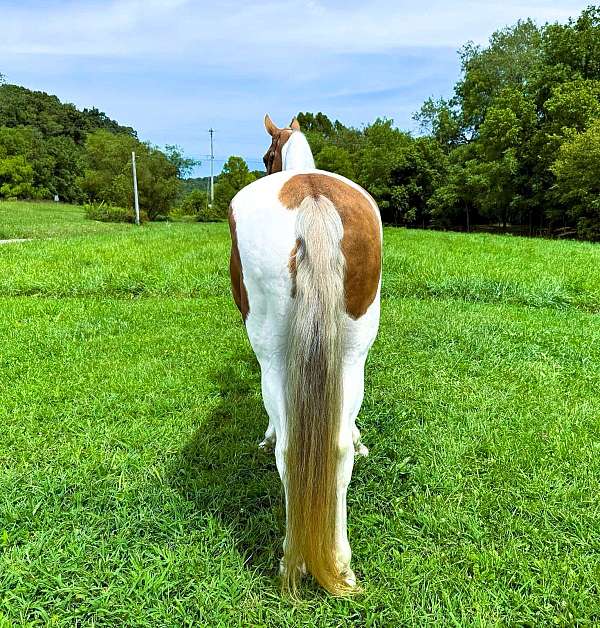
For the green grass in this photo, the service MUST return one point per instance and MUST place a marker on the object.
(46, 220)
(131, 488)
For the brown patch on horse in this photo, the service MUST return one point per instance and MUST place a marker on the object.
(361, 244)
(240, 296)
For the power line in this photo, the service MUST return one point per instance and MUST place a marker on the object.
(253, 160)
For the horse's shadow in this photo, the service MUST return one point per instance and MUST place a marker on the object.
(224, 474)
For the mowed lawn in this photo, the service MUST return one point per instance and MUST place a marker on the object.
(132, 492)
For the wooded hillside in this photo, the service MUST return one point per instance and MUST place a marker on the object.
(48, 147)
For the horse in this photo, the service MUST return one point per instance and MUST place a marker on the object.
(305, 269)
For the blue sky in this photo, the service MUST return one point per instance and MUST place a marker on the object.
(174, 68)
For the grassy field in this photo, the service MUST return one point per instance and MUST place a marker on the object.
(132, 491)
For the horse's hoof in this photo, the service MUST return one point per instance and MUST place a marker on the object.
(350, 578)
(267, 445)
(361, 450)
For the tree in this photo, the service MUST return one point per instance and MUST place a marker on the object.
(317, 123)
(455, 202)
(195, 203)
(22, 107)
(440, 119)
(183, 164)
(376, 158)
(49, 136)
(335, 159)
(21, 147)
(67, 162)
(577, 171)
(16, 177)
(502, 147)
(418, 169)
(519, 100)
(572, 105)
(107, 175)
(510, 61)
(574, 45)
(234, 176)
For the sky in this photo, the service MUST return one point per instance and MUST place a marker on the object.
(172, 69)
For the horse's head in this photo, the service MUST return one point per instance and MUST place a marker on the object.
(273, 158)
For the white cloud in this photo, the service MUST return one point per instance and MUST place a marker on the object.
(268, 29)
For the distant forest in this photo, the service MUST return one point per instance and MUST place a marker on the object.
(516, 147)
(50, 148)
(196, 183)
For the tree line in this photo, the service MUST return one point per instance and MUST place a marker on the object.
(50, 148)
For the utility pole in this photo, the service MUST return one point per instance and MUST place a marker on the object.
(135, 190)
(212, 161)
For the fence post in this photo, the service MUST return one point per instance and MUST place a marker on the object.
(135, 190)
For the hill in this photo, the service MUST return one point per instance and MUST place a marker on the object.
(20, 107)
(196, 183)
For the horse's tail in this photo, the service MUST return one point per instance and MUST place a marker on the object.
(314, 397)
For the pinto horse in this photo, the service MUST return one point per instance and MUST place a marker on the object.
(306, 276)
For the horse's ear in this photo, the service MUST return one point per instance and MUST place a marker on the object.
(270, 126)
(295, 125)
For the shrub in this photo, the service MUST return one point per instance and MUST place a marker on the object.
(196, 204)
(193, 203)
(233, 178)
(211, 214)
(107, 175)
(589, 228)
(105, 212)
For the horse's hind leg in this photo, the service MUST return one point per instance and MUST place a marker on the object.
(268, 442)
(349, 446)
(273, 392)
(359, 447)
(345, 465)
(354, 384)
(360, 337)
(272, 384)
